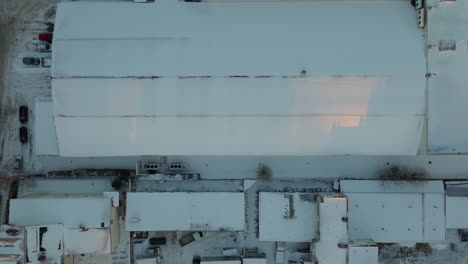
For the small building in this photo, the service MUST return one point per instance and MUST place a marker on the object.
(394, 212)
(11, 245)
(60, 225)
(363, 252)
(185, 211)
(331, 248)
(287, 217)
(70, 211)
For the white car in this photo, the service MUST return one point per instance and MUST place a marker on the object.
(46, 62)
(42, 47)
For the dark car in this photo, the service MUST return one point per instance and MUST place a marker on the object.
(50, 28)
(46, 37)
(157, 241)
(196, 260)
(23, 114)
(31, 61)
(23, 133)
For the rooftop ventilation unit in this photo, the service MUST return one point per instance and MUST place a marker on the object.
(419, 4)
(447, 45)
(177, 166)
(421, 17)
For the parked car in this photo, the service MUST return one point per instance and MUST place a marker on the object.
(23, 114)
(42, 47)
(31, 61)
(46, 62)
(157, 241)
(154, 251)
(46, 37)
(189, 238)
(50, 28)
(196, 260)
(23, 133)
(18, 163)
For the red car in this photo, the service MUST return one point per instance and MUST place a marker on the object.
(46, 37)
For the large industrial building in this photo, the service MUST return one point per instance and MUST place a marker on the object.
(192, 79)
(167, 82)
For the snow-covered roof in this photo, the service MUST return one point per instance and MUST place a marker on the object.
(261, 135)
(358, 254)
(185, 211)
(288, 217)
(72, 212)
(396, 217)
(447, 108)
(91, 241)
(147, 261)
(12, 249)
(220, 261)
(301, 116)
(298, 96)
(376, 186)
(46, 237)
(333, 230)
(254, 261)
(58, 241)
(172, 38)
(44, 129)
(220, 90)
(457, 212)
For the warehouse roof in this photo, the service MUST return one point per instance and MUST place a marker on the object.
(72, 212)
(185, 211)
(44, 129)
(333, 230)
(377, 186)
(171, 38)
(288, 217)
(210, 84)
(372, 216)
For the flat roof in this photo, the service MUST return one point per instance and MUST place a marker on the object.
(93, 241)
(51, 240)
(457, 212)
(396, 217)
(185, 211)
(171, 38)
(72, 212)
(363, 254)
(220, 262)
(447, 108)
(377, 186)
(333, 230)
(254, 261)
(288, 217)
(375, 216)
